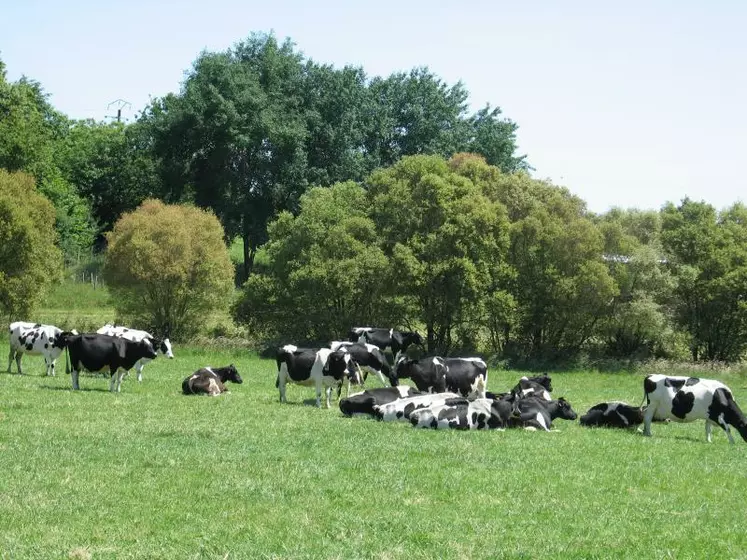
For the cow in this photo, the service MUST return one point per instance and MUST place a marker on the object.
(536, 412)
(369, 357)
(402, 408)
(685, 399)
(472, 414)
(210, 380)
(37, 340)
(428, 374)
(538, 386)
(613, 415)
(322, 367)
(466, 376)
(364, 402)
(95, 352)
(162, 345)
(396, 341)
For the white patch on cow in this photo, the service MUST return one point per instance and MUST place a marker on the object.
(479, 386)
(404, 391)
(213, 388)
(290, 348)
(191, 381)
(541, 422)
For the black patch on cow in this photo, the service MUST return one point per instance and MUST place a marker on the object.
(29, 346)
(682, 403)
(692, 381)
(400, 414)
(46, 345)
(434, 423)
(674, 383)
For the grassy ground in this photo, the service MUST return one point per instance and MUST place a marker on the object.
(150, 473)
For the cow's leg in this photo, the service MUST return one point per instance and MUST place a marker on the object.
(74, 376)
(139, 369)
(721, 422)
(11, 355)
(48, 364)
(384, 381)
(328, 391)
(19, 355)
(648, 416)
(282, 373)
(51, 365)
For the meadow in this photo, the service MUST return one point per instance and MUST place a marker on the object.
(150, 473)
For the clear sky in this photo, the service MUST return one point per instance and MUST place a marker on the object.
(628, 104)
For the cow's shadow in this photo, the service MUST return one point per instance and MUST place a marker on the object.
(82, 389)
(308, 402)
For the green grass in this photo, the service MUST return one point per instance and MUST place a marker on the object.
(150, 473)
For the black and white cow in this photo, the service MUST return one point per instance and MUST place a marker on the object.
(37, 340)
(466, 376)
(613, 415)
(428, 374)
(364, 402)
(369, 357)
(536, 412)
(210, 380)
(685, 399)
(396, 341)
(472, 414)
(100, 352)
(402, 408)
(162, 345)
(538, 386)
(318, 367)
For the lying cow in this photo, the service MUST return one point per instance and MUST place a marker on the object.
(536, 412)
(396, 341)
(466, 376)
(613, 415)
(369, 357)
(364, 402)
(101, 352)
(162, 345)
(538, 386)
(685, 399)
(428, 374)
(472, 414)
(402, 408)
(37, 340)
(322, 367)
(210, 381)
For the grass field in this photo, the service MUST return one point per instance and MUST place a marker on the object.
(150, 473)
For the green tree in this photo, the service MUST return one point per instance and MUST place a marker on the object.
(324, 270)
(168, 268)
(30, 260)
(446, 239)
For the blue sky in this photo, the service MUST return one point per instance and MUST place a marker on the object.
(628, 104)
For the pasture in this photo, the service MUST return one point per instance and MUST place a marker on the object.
(150, 473)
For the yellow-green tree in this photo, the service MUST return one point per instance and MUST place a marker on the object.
(168, 267)
(29, 257)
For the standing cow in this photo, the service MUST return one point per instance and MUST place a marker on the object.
(428, 374)
(466, 376)
(685, 399)
(37, 340)
(210, 381)
(314, 367)
(162, 345)
(368, 357)
(101, 352)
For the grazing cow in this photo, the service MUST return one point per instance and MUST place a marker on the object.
(613, 415)
(369, 357)
(363, 403)
(538, 386)
(428, 374)
(210, 380)
(685, 399)
(402, 408)
(396, 341)
(318, 367)
(100, 352)
(474, 414)
(35, 339)
(466, 376)
(162, 345)
(536, 412)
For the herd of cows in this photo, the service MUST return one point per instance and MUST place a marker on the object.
(447, 393)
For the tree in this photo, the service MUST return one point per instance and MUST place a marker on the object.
(324, 271)
(446, 239)
(168, 268)
(29, 258)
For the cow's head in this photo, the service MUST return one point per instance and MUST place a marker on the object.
(564, 410)
(232, 374)
(340, 364)
(62, 339)
(402, 370)
(411, 337)
(162, 345)
(145, 349)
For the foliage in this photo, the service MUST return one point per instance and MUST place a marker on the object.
(29, 258)
(325, 271)
(167, 267)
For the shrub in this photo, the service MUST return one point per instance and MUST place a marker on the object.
(167, 268)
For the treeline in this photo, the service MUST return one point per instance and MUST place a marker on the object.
(384, 201)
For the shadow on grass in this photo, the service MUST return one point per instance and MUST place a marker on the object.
(82, 389)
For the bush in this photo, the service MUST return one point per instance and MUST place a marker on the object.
(168, 268)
